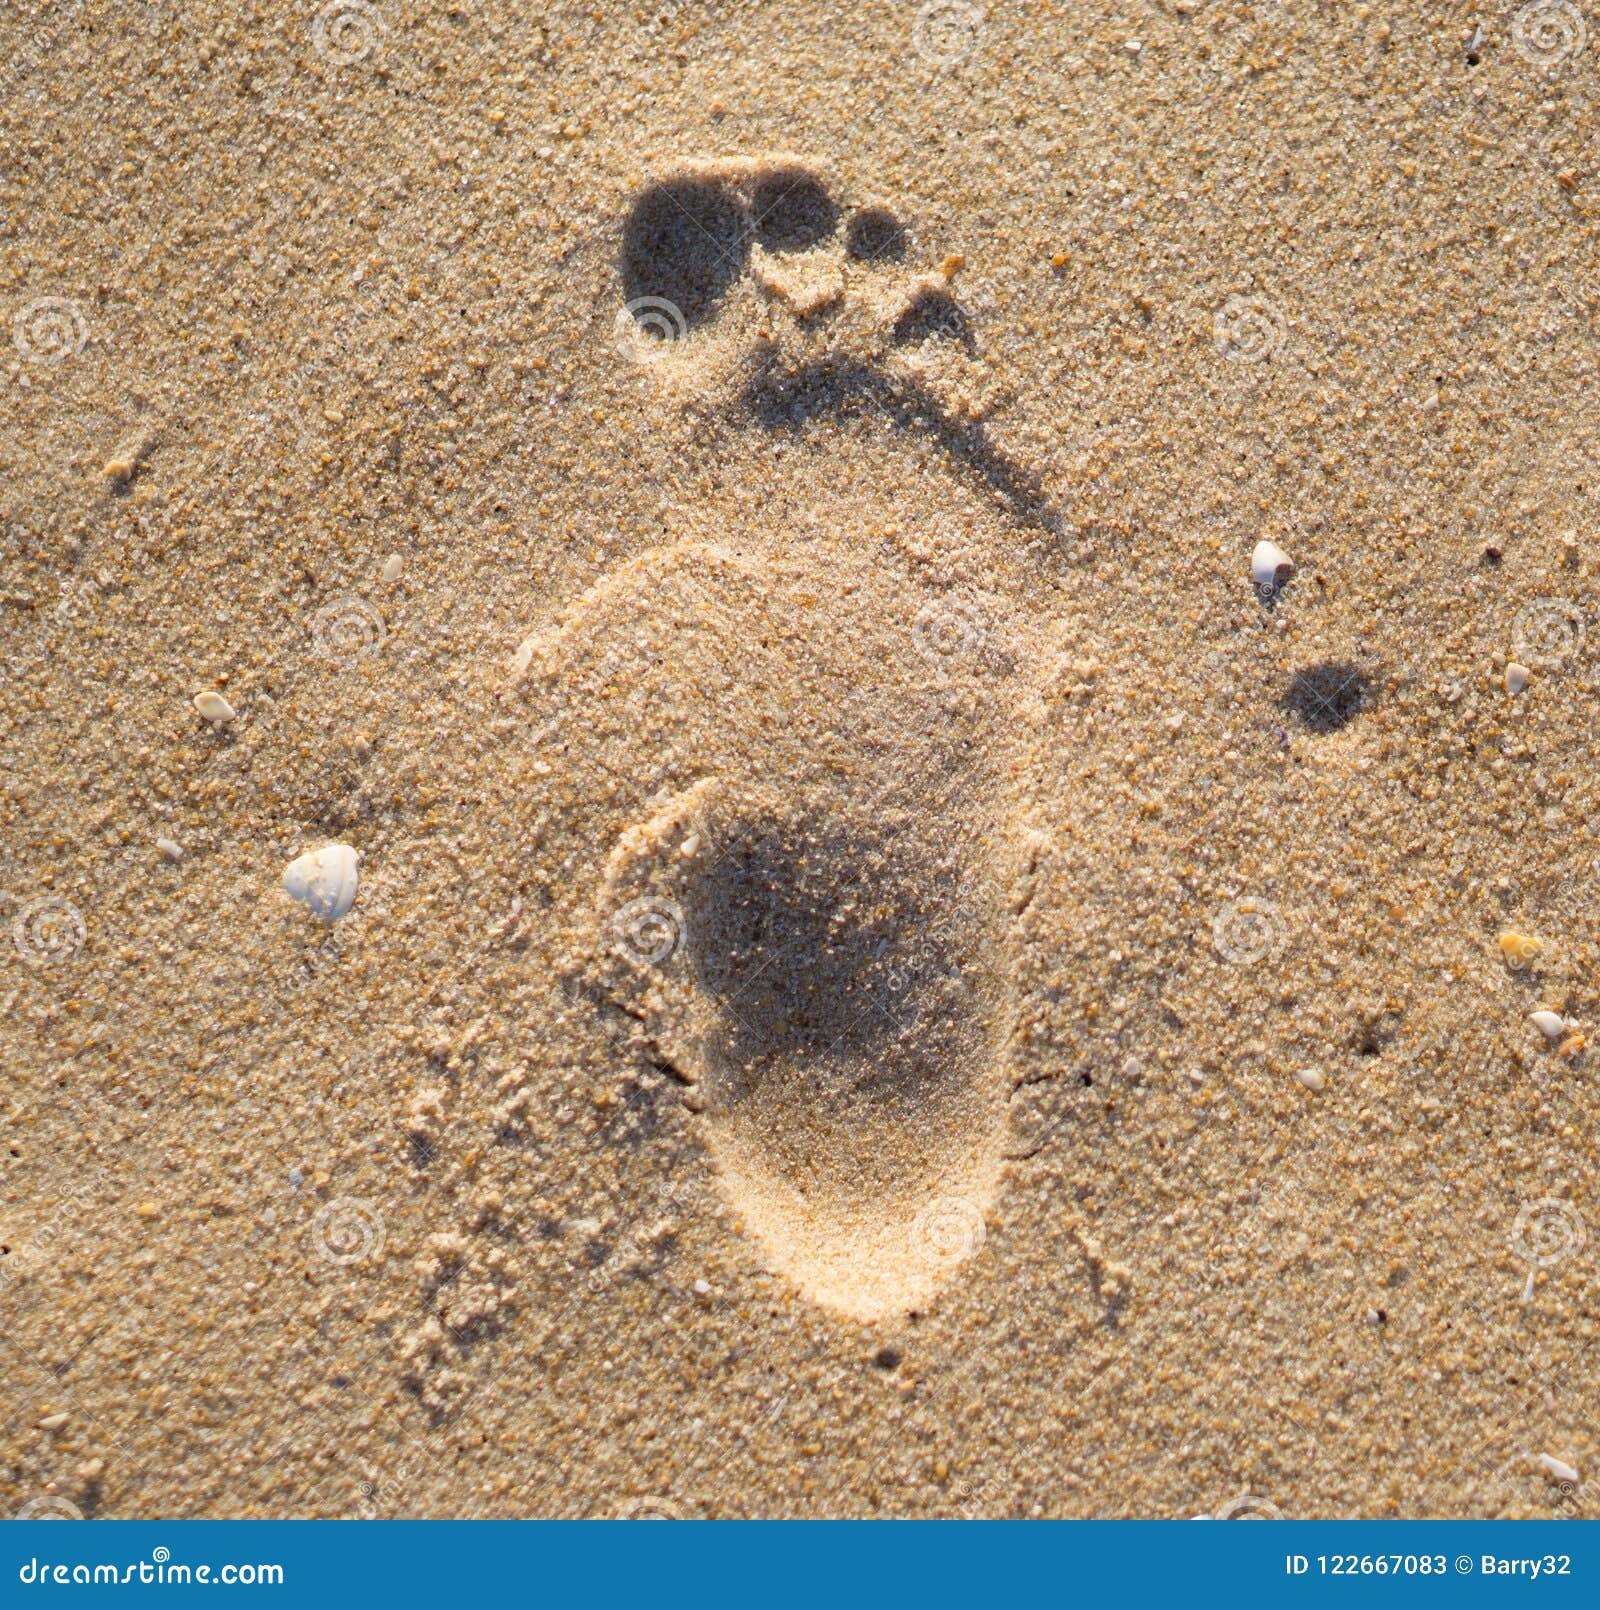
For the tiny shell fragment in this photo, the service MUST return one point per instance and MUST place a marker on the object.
(1516, 677)
(213, 707)
(1558, 1469)
(1549, 1024)
(324, 880)
(1268, 564)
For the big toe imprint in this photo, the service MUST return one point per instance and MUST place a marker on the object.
(828, 987)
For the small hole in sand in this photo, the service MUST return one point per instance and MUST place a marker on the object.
(886, 1358)
(875, 235)
(1329, 695)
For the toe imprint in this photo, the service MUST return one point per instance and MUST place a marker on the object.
(738, 279)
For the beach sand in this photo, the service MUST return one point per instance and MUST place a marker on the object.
(887, 977)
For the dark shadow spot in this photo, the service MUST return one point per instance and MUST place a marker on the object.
(886, 1358)
(1328, 696)
(933, 316)
(793, 211)
(875, 235)
(805, 978)
(839, 388)
(685, 242)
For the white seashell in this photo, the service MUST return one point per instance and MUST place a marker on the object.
(170, 848)
(392, 566)
(324, 880)
(213, 707)
(1312, 1078)
(1558, 1470)
(1550, 1023)
(1516, 677)
(1267, 564)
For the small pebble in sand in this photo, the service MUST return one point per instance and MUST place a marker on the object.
(1270, 567)
(1518, 948)
(54, 1422)
(170, 848)
(1516, 677)
(324, 880)
(392, 566)
(213, 707)
(1558, 1469)
(1549, 1024)
(1312, 1078)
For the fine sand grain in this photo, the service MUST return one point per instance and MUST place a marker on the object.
(887, 977)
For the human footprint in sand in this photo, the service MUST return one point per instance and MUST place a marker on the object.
(809, 873)
(812, 857)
